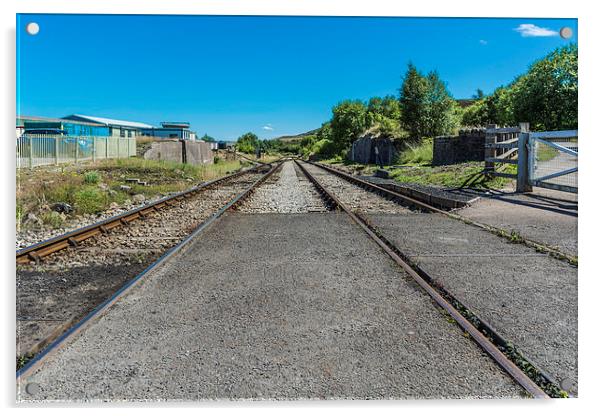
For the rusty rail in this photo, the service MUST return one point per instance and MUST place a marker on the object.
(44, 248)
(409, 201)
(514, 371)
(55, 345)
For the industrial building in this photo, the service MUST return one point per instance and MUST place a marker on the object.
(67, 127)
(172, 130)
(116, 128)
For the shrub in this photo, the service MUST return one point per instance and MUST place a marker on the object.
(92, 177)
(89, 200)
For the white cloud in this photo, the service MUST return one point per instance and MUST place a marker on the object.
(529, 30)
(483, 42)
(268, 127)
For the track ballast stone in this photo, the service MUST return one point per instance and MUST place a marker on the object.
(283, 193)
(353, 196)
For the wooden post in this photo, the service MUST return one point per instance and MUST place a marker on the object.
(522, 180)
(490, 151)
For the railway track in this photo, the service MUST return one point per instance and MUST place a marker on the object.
(106, 258)
(539, 385)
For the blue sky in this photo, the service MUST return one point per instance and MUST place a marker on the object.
(269, 75)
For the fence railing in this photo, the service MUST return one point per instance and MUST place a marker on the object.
(43, 149)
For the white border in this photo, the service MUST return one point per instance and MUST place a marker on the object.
(589, 224)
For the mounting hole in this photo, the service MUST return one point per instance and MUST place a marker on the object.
(32, 388)
(566, 33)
(32, 28)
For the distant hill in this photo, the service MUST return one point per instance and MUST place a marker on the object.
(292, 138)
(466, 102)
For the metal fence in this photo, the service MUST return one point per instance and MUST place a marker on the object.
(553, 160)
(42, 149)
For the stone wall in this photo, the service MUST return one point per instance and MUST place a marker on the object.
(181, 151)
(363, 150)
(469, 145)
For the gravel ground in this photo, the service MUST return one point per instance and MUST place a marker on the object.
(530, 298)
(69, 283)
(284, 193)
(304, 306)
(352, 195)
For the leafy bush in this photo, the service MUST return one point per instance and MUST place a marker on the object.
(92, 177)
(89, 200)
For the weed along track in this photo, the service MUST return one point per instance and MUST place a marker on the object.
(498, 344)
(60, 280)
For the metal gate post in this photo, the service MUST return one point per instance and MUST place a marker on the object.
(490, 152)
(522, 179)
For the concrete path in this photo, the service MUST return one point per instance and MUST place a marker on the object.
(528, 297)
(273, 306)
(545, 216)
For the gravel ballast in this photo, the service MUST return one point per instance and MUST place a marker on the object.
(284, 193)
(352, 195)
(272, 306)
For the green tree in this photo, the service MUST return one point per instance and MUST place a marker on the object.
(349, 120)
(440, 108)
(248, 143)
(546, 96)
(207, 138)
(413, 102)
(427, 108)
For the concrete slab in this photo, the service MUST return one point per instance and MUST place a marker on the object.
(545, 216)
(272, 306)
(529, 298)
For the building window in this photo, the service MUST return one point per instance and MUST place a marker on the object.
(122, 132)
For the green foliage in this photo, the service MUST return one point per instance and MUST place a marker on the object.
(427, 108)
(207, 138)
(349, 120)
(421, 154)
(546, 96)
(52, 218)
(92, 177)
(89, 200)
(248, 143)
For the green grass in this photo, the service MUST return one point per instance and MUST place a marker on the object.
(92, 177)
(91, 188)
(52, 219)
(421, 154)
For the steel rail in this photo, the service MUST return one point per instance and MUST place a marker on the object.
(424, 206)
(44, 248)
(514, 371)
(87, 320)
